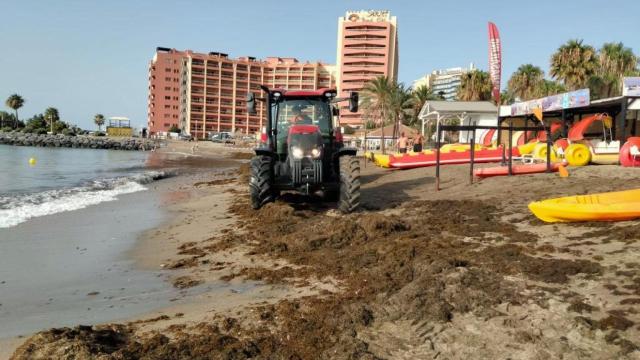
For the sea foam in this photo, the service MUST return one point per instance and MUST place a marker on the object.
(18, 208)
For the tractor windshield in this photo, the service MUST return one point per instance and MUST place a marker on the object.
(300, 111)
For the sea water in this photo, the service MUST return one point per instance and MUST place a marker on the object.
(61, 179)
(67, 223)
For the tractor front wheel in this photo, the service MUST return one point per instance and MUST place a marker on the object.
(349, 198)
(261, 181)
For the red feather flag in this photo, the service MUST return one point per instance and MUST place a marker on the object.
(495, 60)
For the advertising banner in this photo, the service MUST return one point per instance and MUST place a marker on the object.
(495, 60)
(572, 99)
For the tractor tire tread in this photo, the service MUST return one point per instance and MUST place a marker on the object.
(260, 182)
(349, 196)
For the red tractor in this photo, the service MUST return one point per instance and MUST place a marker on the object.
(301, 150)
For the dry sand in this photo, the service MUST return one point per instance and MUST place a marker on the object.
(465, 272)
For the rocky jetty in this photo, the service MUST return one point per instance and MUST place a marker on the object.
(87, 142)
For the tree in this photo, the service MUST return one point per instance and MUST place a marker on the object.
(174, 129)
(506, 98)
(421, 95)
(400, 106)
(6, 118)
(550, 87)
(52, 116)
(574, 64)
(376, 96)
(614, 62)
(475, 85)
(525, 83)
(15, 102)
(99, 120)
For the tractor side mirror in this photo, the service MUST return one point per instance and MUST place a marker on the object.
(353, 102)
(251, 103)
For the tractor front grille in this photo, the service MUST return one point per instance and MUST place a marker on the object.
(306, 171)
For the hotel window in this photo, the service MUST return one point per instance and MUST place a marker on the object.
(167, 97)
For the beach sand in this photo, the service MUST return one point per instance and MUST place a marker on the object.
(466, 272)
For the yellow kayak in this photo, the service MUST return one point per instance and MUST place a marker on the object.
(611, 206)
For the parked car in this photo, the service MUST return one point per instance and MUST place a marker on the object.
(223, 137)
(185, 137)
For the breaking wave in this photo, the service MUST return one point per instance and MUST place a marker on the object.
(18, 208)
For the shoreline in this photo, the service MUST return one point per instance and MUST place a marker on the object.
(168, 191)
(508, 284)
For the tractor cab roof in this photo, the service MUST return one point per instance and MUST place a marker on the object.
(305, 93)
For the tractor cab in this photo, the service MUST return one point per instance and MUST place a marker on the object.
(301, 149)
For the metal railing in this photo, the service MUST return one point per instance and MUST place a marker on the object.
(472, 128)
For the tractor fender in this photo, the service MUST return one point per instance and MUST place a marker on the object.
(345, 151)
(264, 151)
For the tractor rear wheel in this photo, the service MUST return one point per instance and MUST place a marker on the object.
(261, 181)
(349, 198)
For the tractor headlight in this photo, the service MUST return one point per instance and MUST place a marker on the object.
(315, 153)
(297, 153)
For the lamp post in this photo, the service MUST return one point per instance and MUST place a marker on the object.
(51, 121)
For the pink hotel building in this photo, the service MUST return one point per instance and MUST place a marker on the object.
(205, 93)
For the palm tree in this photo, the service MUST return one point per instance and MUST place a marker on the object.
(615, 62)
(506, 98)
(99, 120)
(400, 106)
(525, 82)
(574, 64)
(15, 102)
(376, 96)
(549, 87)
(475, 86)
(51, 116)
(421, 95)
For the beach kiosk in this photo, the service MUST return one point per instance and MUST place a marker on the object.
(119, 126)
(440, 112)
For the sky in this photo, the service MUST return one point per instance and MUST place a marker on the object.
(87, 56)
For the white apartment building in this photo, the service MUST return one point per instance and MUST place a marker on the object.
(444, 82)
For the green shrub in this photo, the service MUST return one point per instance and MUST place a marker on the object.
(68, 132)
(7, 129)
(99, 133)
(40, 131)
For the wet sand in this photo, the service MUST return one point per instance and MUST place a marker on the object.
(466, 272)
(77, 267)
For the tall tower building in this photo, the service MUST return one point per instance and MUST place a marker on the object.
(367, 48)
